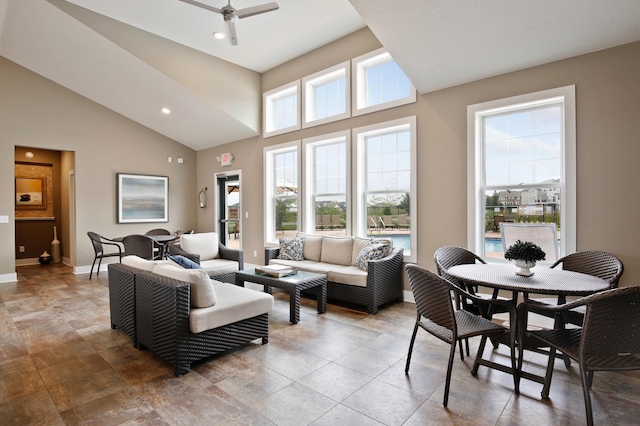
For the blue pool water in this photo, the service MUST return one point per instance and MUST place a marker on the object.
(404, 241)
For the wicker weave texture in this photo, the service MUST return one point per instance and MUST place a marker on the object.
(139, 245)
(608, 340)
(122, 298)
(162, 315)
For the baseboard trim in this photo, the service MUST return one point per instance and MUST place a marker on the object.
(408, 296)
(9, 278)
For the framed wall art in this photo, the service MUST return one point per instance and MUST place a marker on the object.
(142, 198)
(31, 193)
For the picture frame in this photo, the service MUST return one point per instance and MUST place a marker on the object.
(31, 193)
(142, 198)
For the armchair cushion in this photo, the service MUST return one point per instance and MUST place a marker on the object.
(202, 292)
(358, 244)
(138, 262)
(205, 244)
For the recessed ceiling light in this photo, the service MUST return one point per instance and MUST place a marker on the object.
(29, 154)
(219, 35)
(166, 110)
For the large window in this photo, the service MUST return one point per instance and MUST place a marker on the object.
(282, 198)
(522, 167)
(379, 83)
(385, 185)
(326, 95)
(326, 182)
(281, 109)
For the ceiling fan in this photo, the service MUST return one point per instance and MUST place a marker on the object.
(230, 14)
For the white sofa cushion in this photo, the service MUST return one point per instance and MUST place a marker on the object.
(312, 246)
(337, 250)
(234, 304)
(202, 292)
(351, 275)
(204, 244)
(358, 245)
(219, 266)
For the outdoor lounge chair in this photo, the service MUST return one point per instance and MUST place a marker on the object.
(372, 223)
(336, 222)
(403, 221)
(387, 222)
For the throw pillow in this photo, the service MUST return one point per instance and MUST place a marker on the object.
(291, 249)
(202, 292)
(372, 251)
(185, 262)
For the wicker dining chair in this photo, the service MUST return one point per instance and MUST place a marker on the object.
(139, 245)
(98, 242)
(449, 256)
(595, 263)
(609, 339)
(436, 315)
(158, 231)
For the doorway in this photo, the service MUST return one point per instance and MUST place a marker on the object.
(229, 199)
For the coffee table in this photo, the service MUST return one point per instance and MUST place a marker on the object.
(292, 284)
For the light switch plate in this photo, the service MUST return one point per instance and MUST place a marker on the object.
(4, 219)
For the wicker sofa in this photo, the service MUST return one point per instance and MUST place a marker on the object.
(379, 284)
(157, 312)
(220, 262)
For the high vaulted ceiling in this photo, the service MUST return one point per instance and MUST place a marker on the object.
(135, 57)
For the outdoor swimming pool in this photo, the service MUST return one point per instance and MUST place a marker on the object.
(490, 244)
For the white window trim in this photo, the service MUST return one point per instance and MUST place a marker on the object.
(270, 238)
(267, 108)
(358, 191)
(308, 94)
(309, 177)
(359, 89)
(475, 197)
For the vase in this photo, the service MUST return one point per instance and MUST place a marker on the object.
(45, 258)
(524, 266)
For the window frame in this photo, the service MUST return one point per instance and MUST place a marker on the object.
(308, 162)
(359, 194)
(475, 162)
(308, 94)
(359, 88)
(269, 153)
(268, 100)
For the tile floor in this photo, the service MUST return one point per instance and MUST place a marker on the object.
(60, 363)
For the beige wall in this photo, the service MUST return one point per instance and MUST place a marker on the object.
(38, 113)
(35, 112)
(607, 93)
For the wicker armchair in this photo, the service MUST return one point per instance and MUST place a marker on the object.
(224, 253)
(437, 316)
(608, 340)
(98, 243)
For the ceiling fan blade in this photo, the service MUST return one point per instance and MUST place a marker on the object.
(231, 30)
(202, 5)
(256, 10)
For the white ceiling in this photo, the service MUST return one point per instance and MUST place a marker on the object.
(134, 57)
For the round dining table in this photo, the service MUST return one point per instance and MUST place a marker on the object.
(545, 280)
